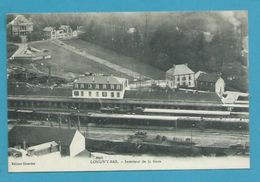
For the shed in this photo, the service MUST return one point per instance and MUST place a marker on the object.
(71, 141)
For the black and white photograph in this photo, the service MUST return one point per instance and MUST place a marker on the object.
(112, 91)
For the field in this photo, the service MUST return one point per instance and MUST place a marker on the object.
(115, 58)
(65, 62)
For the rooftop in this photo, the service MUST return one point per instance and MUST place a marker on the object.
(174, 96)
(208, 77)
(19, 19)
(100, 79)
(43, 146)
(180, 69)
(39, 135)
(48, 29)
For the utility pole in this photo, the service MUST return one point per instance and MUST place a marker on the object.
(49, 73)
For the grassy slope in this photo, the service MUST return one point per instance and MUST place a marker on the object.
(118, 59)
(66, 61)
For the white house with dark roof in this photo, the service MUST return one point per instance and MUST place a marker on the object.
(210, 82)
(181, 76)
(99, 87)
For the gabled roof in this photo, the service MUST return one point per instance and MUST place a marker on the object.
(39, 135)
(43, 146)
(20, 19)
(198, 74)
(176, 96)
(65, 27)
(180, 69)
(48, 29)
(208, 77)
(102, 79)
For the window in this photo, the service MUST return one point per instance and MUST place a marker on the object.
(178, 78)
(183, 78)
(82, 85)
(90, 86)
(118, 87)
(89, 93)
(112, 87)
(104, 86)
(82, 93)
(76, 85)
(189, 77)
(104, 94)
(118, 94)
(112, 94)
(97, 86)
(97, 94)
(76, 93)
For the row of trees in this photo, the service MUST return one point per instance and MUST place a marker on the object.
(167, 43)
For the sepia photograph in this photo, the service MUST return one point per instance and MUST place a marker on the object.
(127, 91)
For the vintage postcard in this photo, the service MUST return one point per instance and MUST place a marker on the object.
(128, 91)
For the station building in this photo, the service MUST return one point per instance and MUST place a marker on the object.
(181, 76)
(100, 87)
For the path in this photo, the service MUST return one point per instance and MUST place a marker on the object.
(100, 60)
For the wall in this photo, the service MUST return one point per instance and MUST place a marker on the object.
(78, 144)
(94, 96)
(220, 86)
(175, 80)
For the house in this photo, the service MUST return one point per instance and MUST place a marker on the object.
(211, 82)
(100, 87)
(52, 33)
(71, 142)
(20, 27)
(67, 30)
(181, 76)
(49, 33)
